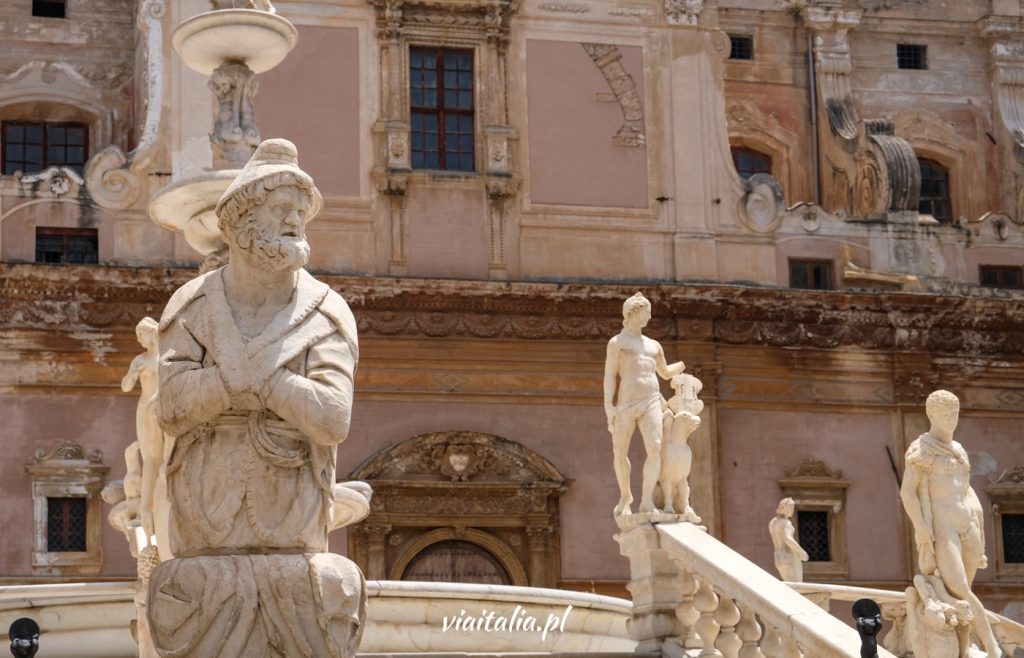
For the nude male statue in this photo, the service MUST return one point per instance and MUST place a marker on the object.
(789, 554)
(632, 397)
(947, 515)
(144, 371)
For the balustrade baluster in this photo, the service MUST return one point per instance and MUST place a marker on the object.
(771, 643)
(749, 632)
(686, 612)
(727, 616)
(790, 649)
(706, 602)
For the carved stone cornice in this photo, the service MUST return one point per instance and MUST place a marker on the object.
(970, 321)
(1007, 485)
(491, 17)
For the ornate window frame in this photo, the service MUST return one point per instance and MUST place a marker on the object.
(67, 471)
(1006, 495)
(478, 25)
(465, 486)
(816, 488)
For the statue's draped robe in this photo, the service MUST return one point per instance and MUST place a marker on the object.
(255, 424)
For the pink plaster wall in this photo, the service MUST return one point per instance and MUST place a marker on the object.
(312, 98)
(573, 438)
(32, 421)
(573, 116)
(759, 446)
(447, 232)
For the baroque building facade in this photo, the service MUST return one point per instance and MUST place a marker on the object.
(823, 200)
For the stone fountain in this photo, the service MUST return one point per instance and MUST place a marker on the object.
(231, 43)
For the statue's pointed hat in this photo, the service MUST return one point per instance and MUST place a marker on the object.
(272, 157)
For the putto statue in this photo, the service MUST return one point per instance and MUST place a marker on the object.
(632, 397)
(947, 519)
(256, 383)
(681, 419)
(789, 555)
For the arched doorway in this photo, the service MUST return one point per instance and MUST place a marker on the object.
(454, 561)
(460, 507)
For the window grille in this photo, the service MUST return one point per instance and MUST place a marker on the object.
(741, 46)
(812, 533)
(65, 525)
(1013, 537)
(911, 56)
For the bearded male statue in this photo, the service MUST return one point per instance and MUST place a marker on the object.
(256, 370)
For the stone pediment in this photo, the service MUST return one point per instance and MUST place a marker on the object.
(459, 457)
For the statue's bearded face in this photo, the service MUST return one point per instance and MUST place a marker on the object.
(274, 237)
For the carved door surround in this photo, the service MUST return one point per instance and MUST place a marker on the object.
(480, 25)
(467, 487)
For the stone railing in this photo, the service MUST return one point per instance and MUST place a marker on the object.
(695, 596)
(1009, 633)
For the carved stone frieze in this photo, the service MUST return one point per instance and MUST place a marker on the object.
(564, 8)
(683, 12)
(68, 451)
(973, 321)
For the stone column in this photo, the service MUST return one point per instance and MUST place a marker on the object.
(376, 547)
(537, 544)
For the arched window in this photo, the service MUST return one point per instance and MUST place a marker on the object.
(749, 162)
(935, 190)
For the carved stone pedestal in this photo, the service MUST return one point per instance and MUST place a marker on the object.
(654, 584)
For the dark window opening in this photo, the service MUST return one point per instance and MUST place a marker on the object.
(810, 274)
(67, 245)
(812, 533)
(911, 56)
(935, 191)
(749, 162)
(741, 46)
(1013, 538)
(65, 525)
(1002, 276)
(49, 8)
(441, 100)
(30, 147)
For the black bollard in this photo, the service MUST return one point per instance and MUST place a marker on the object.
(868, 616)
(24, 634)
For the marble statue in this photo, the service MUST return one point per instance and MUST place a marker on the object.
(632, 397)
(154, 509)
(681, 419)
(947, 519)
(235, 134)
(256, 384)
(789, 555)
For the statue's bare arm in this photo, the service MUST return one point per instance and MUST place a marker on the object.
(319, 404)
(131, 378)
(912, 480)
(189, 393)
(611, 372)
(668, 371)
